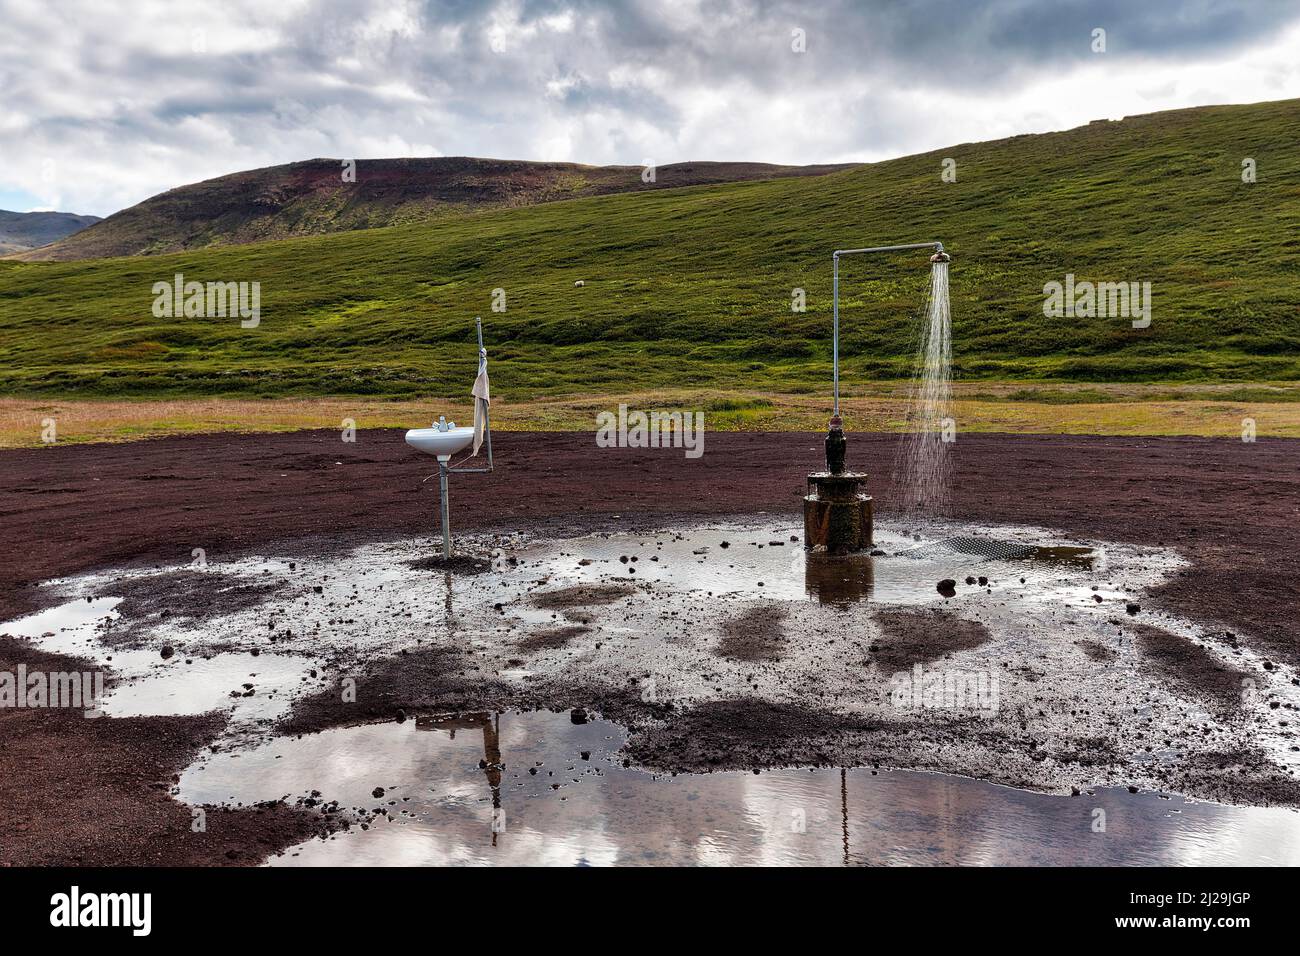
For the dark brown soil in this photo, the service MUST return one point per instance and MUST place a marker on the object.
(1232, 508)
(1098, 652)
(741, 734)
(1189, 665)
(458, 564)
(754, 635)
(920, 636)
(551, 638)
(187, 595)
(432, 679)
(582, 595)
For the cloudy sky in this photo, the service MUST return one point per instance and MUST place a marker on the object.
(103, 104)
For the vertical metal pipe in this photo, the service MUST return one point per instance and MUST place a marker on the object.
(835, 347)
(446, 510)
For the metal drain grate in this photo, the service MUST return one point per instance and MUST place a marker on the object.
(988, 548)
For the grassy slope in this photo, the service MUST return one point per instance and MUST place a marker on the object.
(691, 288)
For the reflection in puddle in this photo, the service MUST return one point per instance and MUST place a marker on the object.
(846, 579)
(738, 561)
(839, 580)
(537, 788)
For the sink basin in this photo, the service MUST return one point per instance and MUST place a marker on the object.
(441, 444)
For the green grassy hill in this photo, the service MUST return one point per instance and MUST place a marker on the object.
(692, 287)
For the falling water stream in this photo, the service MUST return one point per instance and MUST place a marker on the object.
(923, 466)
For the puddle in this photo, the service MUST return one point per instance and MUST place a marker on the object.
(252, 688)
(772, 564)
(710, 615)
(458, 791)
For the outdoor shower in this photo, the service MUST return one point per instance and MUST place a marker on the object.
(837, 514)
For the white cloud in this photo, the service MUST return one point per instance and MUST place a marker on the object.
(121, 107)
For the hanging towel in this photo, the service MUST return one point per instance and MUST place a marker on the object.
(481, 401)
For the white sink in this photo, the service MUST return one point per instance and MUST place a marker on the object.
(441, 444)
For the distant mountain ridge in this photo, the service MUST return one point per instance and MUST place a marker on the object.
(21, 231)
(313, 198)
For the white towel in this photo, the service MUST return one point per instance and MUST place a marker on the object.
(481, 401)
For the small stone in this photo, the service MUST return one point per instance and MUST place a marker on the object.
(167, 651)
(377, 792)
(947, 587)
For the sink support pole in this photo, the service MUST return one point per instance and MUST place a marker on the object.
(446, 510)
(445, 469)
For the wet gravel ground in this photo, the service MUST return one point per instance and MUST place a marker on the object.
(1190, 694)
(721, 647)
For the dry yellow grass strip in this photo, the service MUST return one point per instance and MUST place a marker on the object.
(978, 407)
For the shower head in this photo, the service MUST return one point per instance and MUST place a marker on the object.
(941, 256)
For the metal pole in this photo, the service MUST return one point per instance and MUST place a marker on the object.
(446, 511)
(835, 294)
(936, 246)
